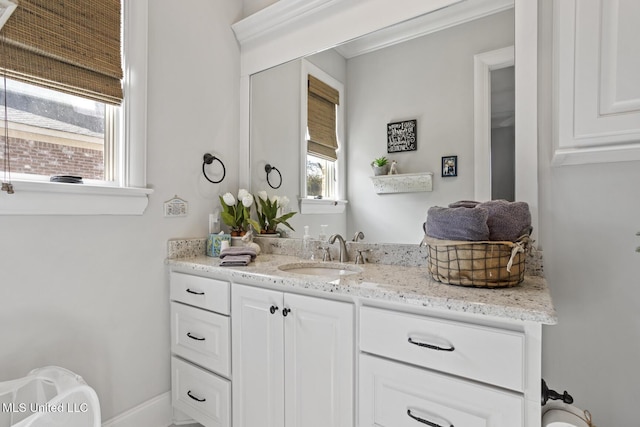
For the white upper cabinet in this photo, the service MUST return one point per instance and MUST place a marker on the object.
(596, 83)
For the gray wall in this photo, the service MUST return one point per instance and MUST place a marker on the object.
(429, 79)
(91, 293)
(589, 216)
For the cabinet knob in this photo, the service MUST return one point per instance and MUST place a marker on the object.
(273, 309)
(286, 311)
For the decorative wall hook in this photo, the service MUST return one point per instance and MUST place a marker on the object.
(268, 168)
(207, 159)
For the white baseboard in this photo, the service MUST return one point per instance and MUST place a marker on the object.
(156, 412)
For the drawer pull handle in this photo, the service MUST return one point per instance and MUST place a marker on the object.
(273, 309)
(431, 346)
(193, 337)
(195, 398)
(423, 421)
(194, 292)
(286, 311)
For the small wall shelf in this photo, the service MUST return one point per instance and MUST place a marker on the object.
(403, 183)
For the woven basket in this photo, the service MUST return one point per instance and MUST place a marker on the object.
(485, 264)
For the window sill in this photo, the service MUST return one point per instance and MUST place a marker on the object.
(53, 198)
(322, 206)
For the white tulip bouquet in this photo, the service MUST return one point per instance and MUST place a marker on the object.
(237, 213)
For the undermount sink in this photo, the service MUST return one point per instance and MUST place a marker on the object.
(325, 269)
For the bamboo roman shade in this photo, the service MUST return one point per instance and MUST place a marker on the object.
(321, 119)
(71, 46)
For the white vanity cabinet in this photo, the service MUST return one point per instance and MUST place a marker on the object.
(293, 360)
(260, 347)
(200, 347)
(416, 369)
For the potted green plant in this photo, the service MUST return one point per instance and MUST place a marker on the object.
(237, 213)
(380, 166)
(268, 209)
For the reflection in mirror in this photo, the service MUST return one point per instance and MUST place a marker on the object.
(429, 79)
(503, 147)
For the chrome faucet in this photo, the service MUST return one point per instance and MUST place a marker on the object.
(359, 235)
(343, 247)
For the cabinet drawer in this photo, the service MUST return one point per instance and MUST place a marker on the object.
(485, 354)
(397, 395)
(202, 395)
(201, 337)
(210, 294)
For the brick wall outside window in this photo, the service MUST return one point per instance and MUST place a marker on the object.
(43, 158)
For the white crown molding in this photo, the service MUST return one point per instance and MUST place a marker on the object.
(438, 20)
(286, 12)
(273, 17)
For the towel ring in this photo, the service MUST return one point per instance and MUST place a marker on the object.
(268, 168)
(207, 160)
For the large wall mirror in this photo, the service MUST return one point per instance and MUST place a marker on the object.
(424, 68)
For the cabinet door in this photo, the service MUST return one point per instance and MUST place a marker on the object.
(319, 360)
(257, 357)
(396, 395)
(596, 84)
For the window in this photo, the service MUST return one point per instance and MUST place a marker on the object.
(323, 154)
(79, 129)
(55, 133)
(322, 139)
(321, 177)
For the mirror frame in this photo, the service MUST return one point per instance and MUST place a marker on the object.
(291, 29)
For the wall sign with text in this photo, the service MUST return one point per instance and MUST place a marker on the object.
(402, 136)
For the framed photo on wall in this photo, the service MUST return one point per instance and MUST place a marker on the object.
(450, 166)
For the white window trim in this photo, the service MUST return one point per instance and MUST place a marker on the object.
(322, 206)
(128, 196)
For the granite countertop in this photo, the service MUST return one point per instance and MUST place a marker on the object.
(528, 301)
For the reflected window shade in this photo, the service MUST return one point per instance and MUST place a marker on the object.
(321, 119)
(72, 46)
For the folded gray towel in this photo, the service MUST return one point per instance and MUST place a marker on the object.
(507, 220)
(457, 223)
(235, 260)
(464, 204)
(238, 250)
